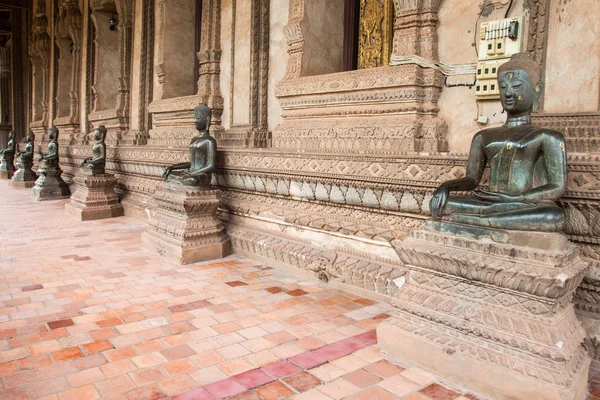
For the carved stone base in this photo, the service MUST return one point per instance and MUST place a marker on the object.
(494, 317)
(21, 184)
(24, 177)
(95, 196)
(7, 166)
(184, 227)
(50, 185)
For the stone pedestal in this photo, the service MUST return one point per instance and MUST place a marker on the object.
(490, 310)
(7, 165)
(95, 196)
(184, 227)
(24, 177)
(49, 185)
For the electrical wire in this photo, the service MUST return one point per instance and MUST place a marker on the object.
(508, 9)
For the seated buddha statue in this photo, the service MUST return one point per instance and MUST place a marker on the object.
(97, 161)
(202, 155)
(51, 159)
(528, 168)
(26, 157)
(10, 147)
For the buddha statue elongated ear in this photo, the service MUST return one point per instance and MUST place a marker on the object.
(208, 118)
(538, 89)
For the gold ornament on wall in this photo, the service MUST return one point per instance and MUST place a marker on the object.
(375, 33)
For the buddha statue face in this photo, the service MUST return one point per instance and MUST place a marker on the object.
(53, 133)
(30, 137)
(517, 93)
(11, 135)
(201, 117)
(100, 133)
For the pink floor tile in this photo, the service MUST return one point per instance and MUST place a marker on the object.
(253, 378)
(226, 388)
(281, 369)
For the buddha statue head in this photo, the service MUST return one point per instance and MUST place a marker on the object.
(11, 135)
(100, 133)
(520, 86)
(30, 137)
(53, 133)
(202, 114)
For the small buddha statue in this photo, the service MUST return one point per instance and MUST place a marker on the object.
(98, 160)
(26, 157)
(203, 153)
(10, 148)
(51, 159)
(528, 168)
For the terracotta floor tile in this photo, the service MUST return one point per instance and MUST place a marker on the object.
(147, 376)
(362, 378)
(116, 385)
(253, 378)
(85, 377)
(67, 354)
(302, 381)
(178, 352)
(15, 394)
(179, 367)
(226, 388)
(33, 362)
(384, 368)
(83, 393)
(399, 385)
(375, 393)
(118, 368)
(338, 389)
(150, 392)
(275, 390)
(249, 395)
(48, 387)
(439, 392)
(235, 367)
(195, 394)
(280, 337)
(21, 379)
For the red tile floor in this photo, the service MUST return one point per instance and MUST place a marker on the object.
(85, 313)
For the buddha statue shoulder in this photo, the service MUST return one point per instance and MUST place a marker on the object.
(10, 147)
(97, 161)
(528, 167)
(202, 154)
(51, 158)
(27, 155)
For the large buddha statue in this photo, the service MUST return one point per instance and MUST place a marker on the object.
(528, 169)
(10, 147)
(97, 161)
(203, 152)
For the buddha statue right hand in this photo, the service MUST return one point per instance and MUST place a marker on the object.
(439, 200)
(167, 172)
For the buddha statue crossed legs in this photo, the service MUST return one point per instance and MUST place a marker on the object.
(528, 170)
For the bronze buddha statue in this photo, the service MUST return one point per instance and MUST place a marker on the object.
(202, 155)
(26, 157)
(7, 157)
(528, 168)
(10, 147)
(51, 159)
(97, 162)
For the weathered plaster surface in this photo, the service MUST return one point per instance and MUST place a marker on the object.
(324, 38)
(241, 85)
(277, 57)
(226, 43)
(573, 62)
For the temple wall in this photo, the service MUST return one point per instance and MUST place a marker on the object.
(321, 168)
(571, 64)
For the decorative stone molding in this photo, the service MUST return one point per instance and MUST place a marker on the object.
(172, 118)
(67, 33)
(253, 132)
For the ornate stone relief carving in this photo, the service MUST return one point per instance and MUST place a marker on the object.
(255, 132)
(67, 33)
(39, 51)
(172, 118)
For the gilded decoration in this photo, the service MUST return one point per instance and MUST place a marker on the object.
(375, 33)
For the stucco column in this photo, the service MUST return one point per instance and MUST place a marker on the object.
(5, 90)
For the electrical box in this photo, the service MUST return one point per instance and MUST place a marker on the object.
(498, 41)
